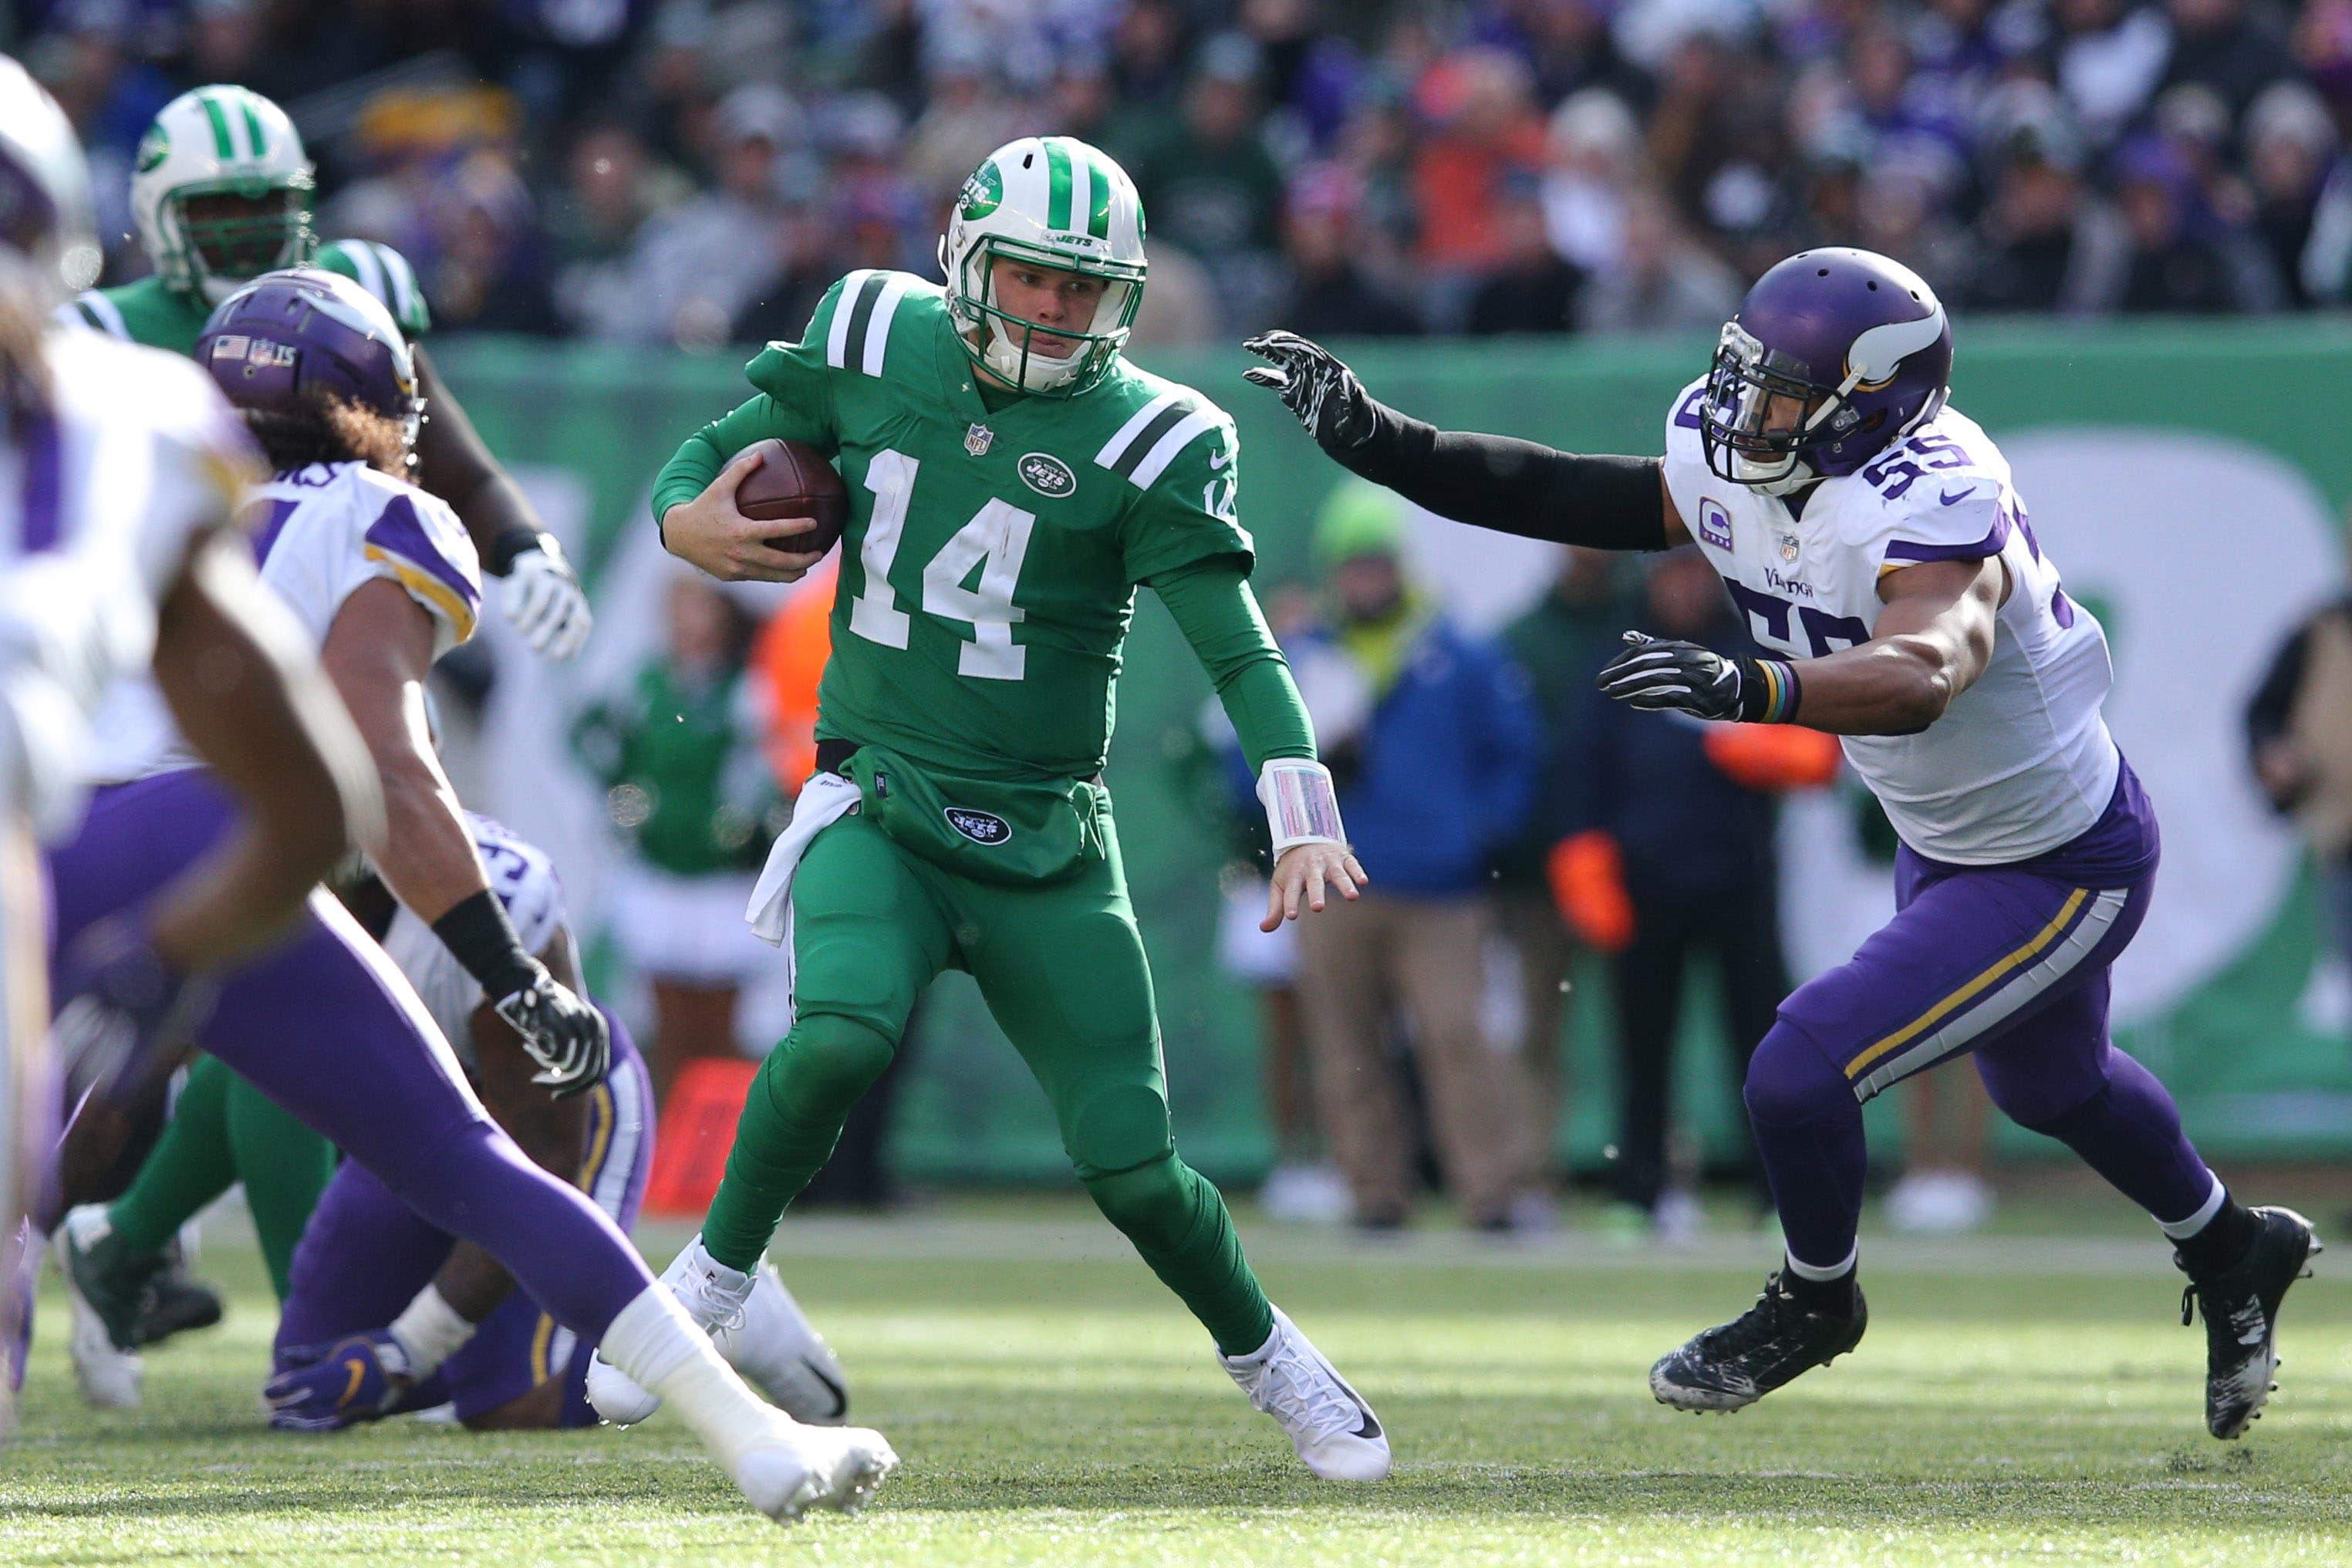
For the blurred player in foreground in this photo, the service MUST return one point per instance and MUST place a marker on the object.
(384, 578)
(221, 193)
(1871, 534)
(119, 472)
(1012, 480)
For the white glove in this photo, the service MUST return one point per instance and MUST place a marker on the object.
(544, 600)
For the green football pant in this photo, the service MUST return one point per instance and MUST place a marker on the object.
(1063, 970)
(222, 1130)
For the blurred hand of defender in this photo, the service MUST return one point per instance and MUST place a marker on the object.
(710, 533)
(1302, 876)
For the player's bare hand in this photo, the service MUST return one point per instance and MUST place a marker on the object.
(1303, 877)
(710, 533)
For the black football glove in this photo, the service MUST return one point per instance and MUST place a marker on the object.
(1313, 384)
(564, 1035)
(1659, 675)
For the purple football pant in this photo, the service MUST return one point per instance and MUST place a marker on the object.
(323, 1024)
(2009, 964)
(366, 1254)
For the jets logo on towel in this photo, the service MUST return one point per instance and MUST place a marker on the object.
(979, 827)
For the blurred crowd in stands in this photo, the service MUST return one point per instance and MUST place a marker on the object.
(696, 172)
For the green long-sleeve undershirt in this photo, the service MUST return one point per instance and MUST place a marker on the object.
(1219, 616)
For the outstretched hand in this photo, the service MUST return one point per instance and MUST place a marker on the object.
(1313, 384)
(1303, 876)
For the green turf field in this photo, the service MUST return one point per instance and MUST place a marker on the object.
(2027, 1397)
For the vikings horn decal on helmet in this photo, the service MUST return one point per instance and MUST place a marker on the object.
(286, 335)
(1057, 203)
(237, 146)
(1859, 342)
(47, 237)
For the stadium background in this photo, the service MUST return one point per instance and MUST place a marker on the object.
(1496, 177)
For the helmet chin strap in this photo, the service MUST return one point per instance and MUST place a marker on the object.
(1040, 373)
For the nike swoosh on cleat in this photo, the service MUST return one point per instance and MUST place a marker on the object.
(840, 1395)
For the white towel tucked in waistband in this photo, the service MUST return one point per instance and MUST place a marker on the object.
(824, 799)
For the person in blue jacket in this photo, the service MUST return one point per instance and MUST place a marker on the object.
(1431, 734)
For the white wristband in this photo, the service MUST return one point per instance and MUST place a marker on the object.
(430, 1330)
(1301, 808)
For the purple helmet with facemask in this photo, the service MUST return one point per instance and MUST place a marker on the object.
(288, 335)
(1860, 341)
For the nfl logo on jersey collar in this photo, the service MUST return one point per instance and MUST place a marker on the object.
(978, 440)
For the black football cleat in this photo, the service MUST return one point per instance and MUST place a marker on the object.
(2241, 1306)
(177, 1301)
(1734, 1364)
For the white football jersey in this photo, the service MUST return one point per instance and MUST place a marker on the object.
(2022, 761)
(98, 503)
(320, 533)
(525, 880)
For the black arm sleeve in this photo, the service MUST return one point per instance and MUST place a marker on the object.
(1514, 487)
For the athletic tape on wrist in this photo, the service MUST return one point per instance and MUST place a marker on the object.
(1301, 806)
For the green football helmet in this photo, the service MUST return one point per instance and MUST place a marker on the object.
(1057, 203)
(222, 141)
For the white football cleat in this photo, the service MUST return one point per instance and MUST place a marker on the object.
(794, 1467)
(87, 1255)
(756, 1325)
(1333, 1430)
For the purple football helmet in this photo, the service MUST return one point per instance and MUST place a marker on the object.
(1861, 343)
(288, 335)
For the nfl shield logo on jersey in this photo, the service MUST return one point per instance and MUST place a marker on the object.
(978, 440)
(1789, 546)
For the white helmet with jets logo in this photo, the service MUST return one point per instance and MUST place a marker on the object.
(222, 141)
(1056, 203)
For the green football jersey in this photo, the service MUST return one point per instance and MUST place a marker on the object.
(157, 316)
(989, 570)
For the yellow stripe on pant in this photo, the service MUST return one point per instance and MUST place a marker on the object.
(2001, 967)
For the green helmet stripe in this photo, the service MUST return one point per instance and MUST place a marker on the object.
(1057, 185)
(253, 128)
(1098, 211)
(223, 144)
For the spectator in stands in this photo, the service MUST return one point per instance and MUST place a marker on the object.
(1594, 147)
(613, 184)
(1209, 183)
(2231, 49)
(1330, 287)
(1531, 287)
(1485, 136)
(1561, 642)
(1667, 849)
(679, 757)
(1437, 775)
(695, 266)
(2176, 265)
(2290, 140)
(2051, 245)
(1664, 281)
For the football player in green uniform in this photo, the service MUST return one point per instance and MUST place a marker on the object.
(220, 193)
(1012, 479)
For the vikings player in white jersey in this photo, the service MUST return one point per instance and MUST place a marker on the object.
(1883, 560)
(119, 471)
(324, 382)
(367, 1257)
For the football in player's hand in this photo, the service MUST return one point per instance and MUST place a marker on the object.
(793, 479)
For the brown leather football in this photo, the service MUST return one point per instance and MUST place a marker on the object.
(794, 479)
